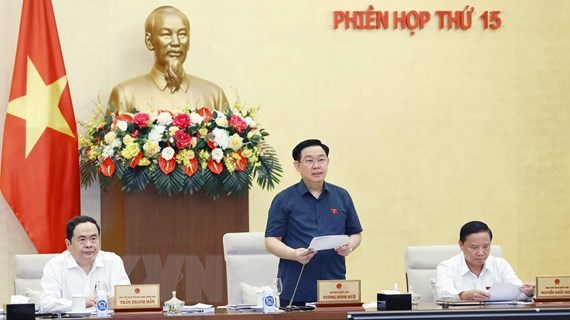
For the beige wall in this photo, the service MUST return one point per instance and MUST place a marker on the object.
(427, 132)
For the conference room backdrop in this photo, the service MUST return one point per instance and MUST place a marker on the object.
(428, 127)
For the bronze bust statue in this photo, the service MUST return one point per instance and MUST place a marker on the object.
(167, 86)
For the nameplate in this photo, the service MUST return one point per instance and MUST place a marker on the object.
(137, 297)
(338, 291)
(552, 287)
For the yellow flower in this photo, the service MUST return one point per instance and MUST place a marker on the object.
(184, 156)
(84, 142)
(246, 152)
(130, 150)
(93, 154)
(205, 155)
(203, 132)
(144, 162)
(230, 165)
(172, 130)
(127, 139)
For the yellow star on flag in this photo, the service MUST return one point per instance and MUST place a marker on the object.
(39, 107)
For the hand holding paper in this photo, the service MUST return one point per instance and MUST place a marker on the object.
(328, 242)
(504, 292)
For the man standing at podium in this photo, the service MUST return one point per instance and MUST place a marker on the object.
(167, 86)
(76, 270)
(309, 209)
(468, 275)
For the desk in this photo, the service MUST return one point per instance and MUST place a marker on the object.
(488, 312)
(428, 311)
(227, 315)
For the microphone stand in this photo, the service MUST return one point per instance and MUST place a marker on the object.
(290, 308)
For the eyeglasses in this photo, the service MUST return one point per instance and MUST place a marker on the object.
(309, 163)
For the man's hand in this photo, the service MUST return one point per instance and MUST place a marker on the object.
(111, 302)
(91, 301)
(303, 255)
(344, 250)
(528, 289)
(474, 294)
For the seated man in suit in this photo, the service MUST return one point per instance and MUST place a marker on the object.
(468, 275)
(76, 270)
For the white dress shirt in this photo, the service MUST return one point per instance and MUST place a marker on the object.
(454, 277)
(63, 278)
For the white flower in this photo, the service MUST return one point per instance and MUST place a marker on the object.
(222, 122)
(195, 118)
(221, 137)
(164, 118)
(167, 153)
(250, 122)
(236, 142)
(217, 154)
(151, 147)
(116, 143)
(108, 151)
(110, 136)
(122, 125)
(156, 133)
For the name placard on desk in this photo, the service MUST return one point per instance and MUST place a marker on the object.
(338, 291)
(139, 297)
(552, 288)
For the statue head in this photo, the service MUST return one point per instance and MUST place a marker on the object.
(167, 33)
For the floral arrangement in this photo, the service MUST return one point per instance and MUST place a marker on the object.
(219, 152)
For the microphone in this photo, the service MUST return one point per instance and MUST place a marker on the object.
(290, 307)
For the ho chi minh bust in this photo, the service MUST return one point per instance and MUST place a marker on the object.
(167, 86)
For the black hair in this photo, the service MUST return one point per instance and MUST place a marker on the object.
(308, 143)
(70, 227)
(473, 227)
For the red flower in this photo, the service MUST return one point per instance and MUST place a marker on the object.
(108, 167)
(192, 168)
(166, 166)
(238, 123)
(215, 167)
(205, 113)
(135, 134)
(182, 139)
(124, 117)
(142, 119)
(135, 161)
(240, 164)
(182, 120)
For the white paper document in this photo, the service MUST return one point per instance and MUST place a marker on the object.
(328, 242)
(504, 292)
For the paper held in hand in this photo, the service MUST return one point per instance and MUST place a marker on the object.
(328, 242)
(504, 292)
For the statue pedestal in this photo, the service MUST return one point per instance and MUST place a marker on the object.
(175, 241)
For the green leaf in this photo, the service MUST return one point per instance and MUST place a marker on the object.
(269, 171)
(135, 179)
(169, 183)
(87, 172)
(213, 185)
(194, 183)
(238, 182)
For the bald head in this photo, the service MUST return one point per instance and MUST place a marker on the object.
(164, 10)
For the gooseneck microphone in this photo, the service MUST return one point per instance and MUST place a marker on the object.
(289, 308)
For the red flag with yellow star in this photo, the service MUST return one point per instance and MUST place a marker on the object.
(40, 164)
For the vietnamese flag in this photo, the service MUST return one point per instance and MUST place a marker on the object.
(39, 177)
